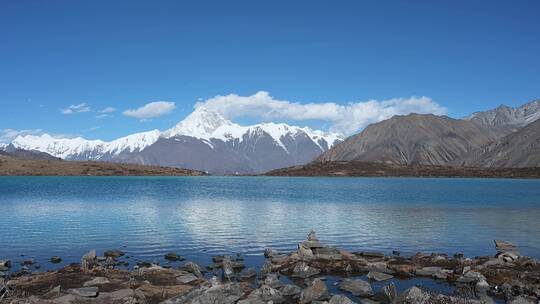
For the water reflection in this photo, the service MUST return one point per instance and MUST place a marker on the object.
(199, 217)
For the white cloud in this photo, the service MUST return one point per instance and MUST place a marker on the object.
(7, 135)
(347, 119)
(79, 108)
(151, 110)
(108, 110)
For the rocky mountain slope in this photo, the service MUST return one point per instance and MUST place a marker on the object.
(508, 118)
(413, 139)
(517, 150)
(10, 150)
(203, 141)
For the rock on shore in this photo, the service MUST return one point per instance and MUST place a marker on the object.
(295, 277)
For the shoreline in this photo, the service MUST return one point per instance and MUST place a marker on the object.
(371, 169)
(311, 274)
(16, 166)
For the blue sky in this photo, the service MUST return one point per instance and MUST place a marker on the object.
(464, 56)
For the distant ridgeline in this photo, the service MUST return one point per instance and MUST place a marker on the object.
(202, 141)
(504, 137)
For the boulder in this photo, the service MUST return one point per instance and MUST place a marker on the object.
(312, 241)
(264, 294)
(228, 269)
(359, 288)
(56, 259)
(413, 295)
(370, 254)
(145, 264)
(187, 278)
(96, 281)
(269, 253)
(113, 253)
(427, 271)
(379, 267)
(249, 273)
(340, 299)
(303, 270)
(312, 236)
(304, 252)
(378, 276)
(121, 296)
(53, 293)
(266, 268)
(317, 291)
(520, 300)
(5, 263)
(88, 260)
(173, 257)
(387, 295)
(28, 262)
(273, 281)
(508, 257)
(290, 290)
(86, 292)
(193, 268)
(471, 277)
(327, 253)
(220, 294)
(504, 246)
(440, 275)
(482, 287)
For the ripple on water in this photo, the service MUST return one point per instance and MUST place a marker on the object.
(199, 217)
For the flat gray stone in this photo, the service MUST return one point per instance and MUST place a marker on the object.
(96, 281)
(86, 292)
(359, 288)
(378, 276)
(187, 278)
(427, 271)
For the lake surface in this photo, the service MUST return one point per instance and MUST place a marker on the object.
(203, 216)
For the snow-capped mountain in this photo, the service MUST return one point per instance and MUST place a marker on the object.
(79, 148)
(204, 140)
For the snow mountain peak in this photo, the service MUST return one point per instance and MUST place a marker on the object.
(204, 140)
(201, 123)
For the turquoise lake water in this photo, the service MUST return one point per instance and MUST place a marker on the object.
(203, 216)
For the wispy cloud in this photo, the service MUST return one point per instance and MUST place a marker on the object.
(344, 118)
(106, 112)
(78, 108)
(151, 110)
(7, 135)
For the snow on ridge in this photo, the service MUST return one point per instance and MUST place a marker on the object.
(203, 124)
(72, 147)
(206, 125)
(58, 147)
(133, 142)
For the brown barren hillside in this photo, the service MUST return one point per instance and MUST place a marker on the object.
(357, 168)
(12, 166)
(414, 139)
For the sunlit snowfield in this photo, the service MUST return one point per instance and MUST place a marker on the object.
(202, 216)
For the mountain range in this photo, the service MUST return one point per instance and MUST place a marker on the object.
(204, 140)
(502, 137)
